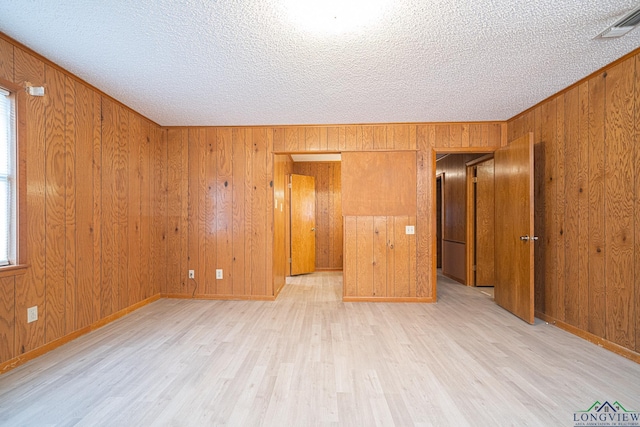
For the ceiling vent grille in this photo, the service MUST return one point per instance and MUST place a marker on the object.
(623, 26)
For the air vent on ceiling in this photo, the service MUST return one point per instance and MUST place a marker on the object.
(623, 26)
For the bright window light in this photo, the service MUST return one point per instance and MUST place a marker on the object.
(335, 16)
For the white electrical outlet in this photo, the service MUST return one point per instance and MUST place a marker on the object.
(192, 274)
(218, 273)
(32, 314)
(410, 229)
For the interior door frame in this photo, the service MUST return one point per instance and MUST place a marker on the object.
(434, 248)
(439, 176)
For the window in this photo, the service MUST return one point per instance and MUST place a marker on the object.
(7, 179)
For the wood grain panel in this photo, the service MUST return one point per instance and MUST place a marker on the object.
(207, 280)
(637, 199)
(350, 274)
(54, 310)
(175, 141)
(6, 60)
(401, 250)
(453, 260)
(258, 208)
(485, 225)
(539, 216)
(196, 237)
(269, 211)
(146, 288)
(248, 210)
(364, 260)
(379, 183)
(134, 275)
(70, 227)
(597, 318)
(84, 191)
(279, 140)
(549, 236)
(335, 214)
(425, 221)
(312, 139)
(571, 143)
(455, 135)
(291, 139)
(442, 136)
(96, 168)
(619, 204)
(560, 199)
(203, 252)
(240, 279)
(380, 261)
(283, 167)
(224, 206)
(120, 298)
(159, 206)
(335, 138)
(583, 207)
(351, 138)
(322, 221)
(7, 317)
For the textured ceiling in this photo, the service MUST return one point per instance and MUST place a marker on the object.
(246, 62)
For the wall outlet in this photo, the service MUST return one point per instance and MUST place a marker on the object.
(410, 229)
(192, 274)
(32, 314)
(218, 273)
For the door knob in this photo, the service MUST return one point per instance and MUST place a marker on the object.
(313, 229)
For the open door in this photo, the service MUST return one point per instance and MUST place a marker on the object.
(514, 228)
(303, 224)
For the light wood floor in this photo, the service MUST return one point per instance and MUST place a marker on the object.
(309, 359)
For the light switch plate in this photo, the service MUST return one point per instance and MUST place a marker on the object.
(32, 314)
(410, 229)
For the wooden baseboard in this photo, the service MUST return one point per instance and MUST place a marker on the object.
(277, 291)
(25, 357)
(389, 299)
(611, 346)
(222, 297)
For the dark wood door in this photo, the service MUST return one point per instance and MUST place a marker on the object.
(514, 228)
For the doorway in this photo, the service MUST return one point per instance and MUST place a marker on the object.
(513, 228)
(326, 170)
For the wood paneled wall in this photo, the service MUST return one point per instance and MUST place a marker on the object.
(220, 212)
(380, 258)
(587, 159)
(283, 166)
(328, 211)
(93, 210)
(222, 192)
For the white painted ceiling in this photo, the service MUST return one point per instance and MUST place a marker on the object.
(246, 62)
